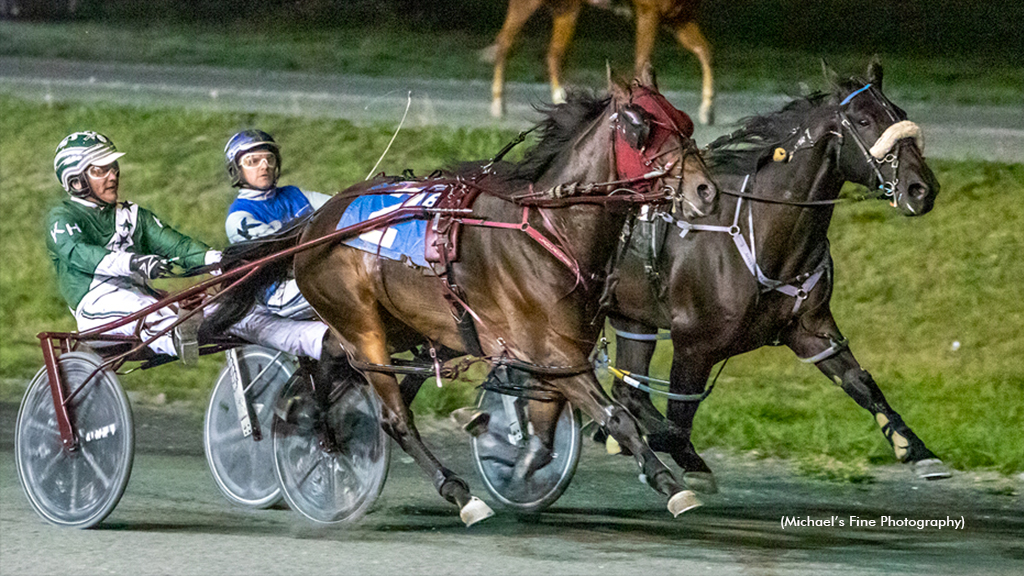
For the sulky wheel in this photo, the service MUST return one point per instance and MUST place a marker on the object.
(76, 488)
(496, 450)
(242, 466)
(331, 463)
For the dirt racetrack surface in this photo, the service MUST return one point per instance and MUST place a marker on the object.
(173, 520)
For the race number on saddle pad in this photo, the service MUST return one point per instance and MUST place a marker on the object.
(402, 239)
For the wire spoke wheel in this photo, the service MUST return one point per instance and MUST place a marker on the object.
(242, 467)
(497, 450)
(78, 488)
(331, 463)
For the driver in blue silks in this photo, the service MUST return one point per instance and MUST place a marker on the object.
(253, 161)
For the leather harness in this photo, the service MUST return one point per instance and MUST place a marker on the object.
(637, 169)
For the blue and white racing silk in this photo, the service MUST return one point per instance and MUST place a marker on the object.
(403, 241)
(257, 213)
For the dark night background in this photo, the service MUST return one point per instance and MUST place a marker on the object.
(991, 28)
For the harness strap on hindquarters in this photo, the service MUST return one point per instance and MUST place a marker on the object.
(461, 312)
(524, 225)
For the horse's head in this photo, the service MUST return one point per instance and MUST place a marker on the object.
(631, 148)
(881, 148)
(653, 147)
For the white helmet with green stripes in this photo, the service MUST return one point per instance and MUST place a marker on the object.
(76, 153)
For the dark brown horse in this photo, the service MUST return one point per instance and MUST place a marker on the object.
(678, 15)
(765, 275)
(532, 295)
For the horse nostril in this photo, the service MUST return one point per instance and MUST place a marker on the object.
(918, 191)
(706, 192)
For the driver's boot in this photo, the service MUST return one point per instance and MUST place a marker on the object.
(185, 336)
(303, 409)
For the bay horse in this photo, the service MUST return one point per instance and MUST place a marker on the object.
(532, 296)
(678, 15)
(716, 289)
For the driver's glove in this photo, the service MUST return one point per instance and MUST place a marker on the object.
(149, 267)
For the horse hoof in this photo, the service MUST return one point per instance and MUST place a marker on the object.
(703, 482)
(931, 469)
(488, 55)
(471, 420)
(475, 511)
(611, 445)
(497, 108)
(558, 95)
(682, 501)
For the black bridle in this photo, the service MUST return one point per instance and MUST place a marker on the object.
(886, 188)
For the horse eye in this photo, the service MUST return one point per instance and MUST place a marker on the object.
(864, 123)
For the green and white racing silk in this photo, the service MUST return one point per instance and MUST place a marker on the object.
(91, 244)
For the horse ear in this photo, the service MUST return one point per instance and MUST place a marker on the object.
(831, 76)
(875, 71)
(617, 91)
(646, 77)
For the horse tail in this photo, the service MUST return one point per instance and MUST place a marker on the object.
(241, 297)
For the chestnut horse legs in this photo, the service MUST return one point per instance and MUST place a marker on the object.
(585, 392)
(563, 28)
(649, 17)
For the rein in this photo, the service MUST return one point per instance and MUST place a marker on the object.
(804, 203)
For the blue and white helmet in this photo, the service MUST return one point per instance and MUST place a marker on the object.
(76, 153)
(248, 141)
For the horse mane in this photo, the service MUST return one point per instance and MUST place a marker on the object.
(558, 129)
(746, 149)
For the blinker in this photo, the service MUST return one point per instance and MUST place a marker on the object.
(635, 126)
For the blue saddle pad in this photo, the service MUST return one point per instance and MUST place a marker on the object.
(402, 239)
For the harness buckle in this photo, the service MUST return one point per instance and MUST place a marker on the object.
(437, 364)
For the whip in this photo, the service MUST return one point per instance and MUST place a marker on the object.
(408, 103)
